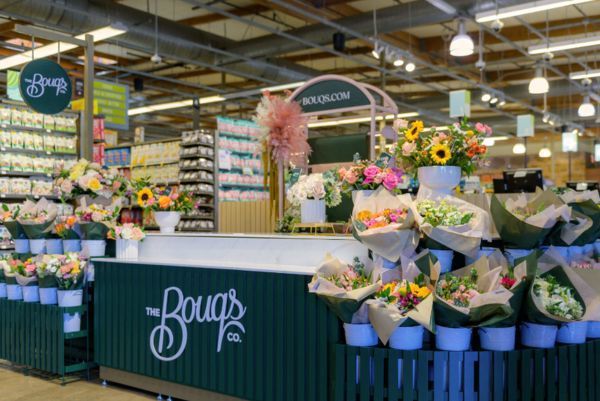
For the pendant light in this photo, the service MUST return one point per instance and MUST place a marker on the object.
(539, 84)
(462, 44)
(519, 149)
(545, 151)
(410, 66)
(586, 109)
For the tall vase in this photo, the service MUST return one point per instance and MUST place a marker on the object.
(439, 180)
(167, 221)
(313, 211)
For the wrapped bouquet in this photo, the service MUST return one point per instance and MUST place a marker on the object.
(65, 227)
(37, 219)
(95, 220)
(384, 223)
(71, 274)
(586, 203)
(316, 186)
(9, 218)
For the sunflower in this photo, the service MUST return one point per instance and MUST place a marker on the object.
(440, 154)
(413, 132)
(143, 196)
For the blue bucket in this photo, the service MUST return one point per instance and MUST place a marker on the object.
(407, 338)
(593, 329)
(453, 339)
(538, 335)
(497, 338)
(513, 254)
(388, 264)
(71, 245)
(360, 335)
(572, 333)
(54, 246)
(22, 246)
(564, 252)
(445, 258)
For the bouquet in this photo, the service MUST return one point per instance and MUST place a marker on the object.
(46, 267)
(452, 223)
(26, 272)
(37, 219)
(462, 146)
(384, 223)
(316, 186)
(12, 267)
(9, 218)
(65, 227)
(471, 296)
(127, 231)
(585, 203)
(70, 274)
(344, 287)
(366, 175)
(524, 224)
(95, 220)
(161, 199)
(90, 179)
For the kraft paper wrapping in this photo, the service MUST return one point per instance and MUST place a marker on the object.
(488, 308)
(530, 232)
(466, 238)
(345, 304)
(26, 281)
(551, 263)
(590, 209)
(35, 230)
(393, 240)
(93, 231)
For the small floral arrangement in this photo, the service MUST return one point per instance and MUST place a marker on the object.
(458, 291)
(381, 219)
(355, 276)
(161, 199)
(127, 231)
(48, 265)
(508, 280)
(462, 146)
(91, 179)
(10, 212)
(316, 186)
(404, 295)
(65, 227)
(95, 213)
(442, 213)
(559, 300)
(70, 274)
(27, 268)
(366, 175)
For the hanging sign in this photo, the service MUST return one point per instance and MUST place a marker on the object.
(45, 86)
(330, 94)
(113, 103)
(460, 103)
(525, 125)
(12, 85)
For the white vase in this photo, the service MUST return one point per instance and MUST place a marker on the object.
(68, 298)
(313, 211)
(167, 221)
(440, 180)
(31, 293)
(37, 246)
(71, 322)
(365, 192)
(127, 249)
(93, 248)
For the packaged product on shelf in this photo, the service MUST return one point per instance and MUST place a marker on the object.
(70, 124)
(16, 117)
(5, 139)
(26, 118)
(4, 185)
(49, 143)
(48, 121)
(16, 139)
(38, 142)
(20, 186)
(38, 120)
(5, 116)
(5, 161)
(28, 141)
(41, 188)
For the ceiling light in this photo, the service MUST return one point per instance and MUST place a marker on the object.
(519, 149)
(489, 142)
(597, 152)
(587, 74)
(398, 62)
(375, 53)
(545, 152)
(282, 87)
(525, 8)
(174, 105)
(586, 109)
(502, 102)
(53, 48)
(356, 120)
(565, 45)
(410, 66)
(494, 100)
(539, 84)
(486, 97)
(462, 44)
(546, 117)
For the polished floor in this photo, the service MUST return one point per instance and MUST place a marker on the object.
(18, 387)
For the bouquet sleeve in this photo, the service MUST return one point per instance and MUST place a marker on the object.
(93, 231)
(590, 209)
(345, 304)
(34, 229)
(15, 229)
(390, 241)
(26, 281)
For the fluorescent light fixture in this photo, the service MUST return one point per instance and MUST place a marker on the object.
(494, 100)
(539, 84)
(410, 66)
(586, 109)
(499, 138)
(597, 152)
(461, 44)
(585, 74)
(437, 129)
(356, 120)
(545, 152)
(174, 105)
(489, 142)
(525, 8)
(519, 149)
(569, 141)
(565, 45)
(53, 48)
(282, 87)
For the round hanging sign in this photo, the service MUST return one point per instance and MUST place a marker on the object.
(45, 86)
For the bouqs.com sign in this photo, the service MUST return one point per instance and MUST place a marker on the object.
(45, 86)
(221, 311)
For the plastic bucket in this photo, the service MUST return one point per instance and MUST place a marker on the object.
(588, 250)
(538, 335)
(445, 258)
(22, 246)
(360, 335)
(37, 246)
(14, 292)
(485, 251)
(54, 246)
(572, 333)
(497, 338)
(564, 252)
(94, 248)
(48, 296)
(593, 329)
(70, 297)
(597, 247)
(71, 245)
(453, 339)
(71, 322)
(575, 253)
(31, 293)
(407, 338)
(2, 290)
(513, 254)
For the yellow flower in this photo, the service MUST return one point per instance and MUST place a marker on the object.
(440, 154)
(94, 184)
(144, 196)
(78, 169)
(413, 132)
(422, 292)
(402, 290)
(413, 288)
(363, 215)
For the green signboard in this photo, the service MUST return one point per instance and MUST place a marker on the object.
(112, 100)
(252, 335)
(45, 86)
(331, 94)
(12, 85)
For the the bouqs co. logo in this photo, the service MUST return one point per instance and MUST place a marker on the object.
(221, 308)
(38, 84)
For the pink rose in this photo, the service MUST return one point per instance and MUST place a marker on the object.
(30, 268)
(116, 185)
(342, 172)
(371, 171)
(66, 186)
(379, 178)
(174, 196)
(442, 136)
(408, 148)
(390, 181)
(479, 127)
(350, 177)
(488, 130)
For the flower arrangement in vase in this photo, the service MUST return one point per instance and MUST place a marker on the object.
(313, 193)
(128, 237)
(365, 175)
(167, 204)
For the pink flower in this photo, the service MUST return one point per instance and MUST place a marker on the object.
(116, 185)
(408, 148)
(379, 178)
(342, 172)
(350, 177)
(174, 196)
(390, 181)
(371, 171)
(480, 127)
(30, 268)
(400, 123)
(488, 130)
(442, 136)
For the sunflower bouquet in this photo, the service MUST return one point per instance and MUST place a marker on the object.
(91, 179)
(164, 199)
(462, 146)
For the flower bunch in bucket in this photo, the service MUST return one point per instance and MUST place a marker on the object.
(94, 222)
(70, 273)
(90, 179)
(37, 219)
(128, 237)
(13, 267)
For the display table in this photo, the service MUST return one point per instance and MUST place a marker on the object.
(228, 314)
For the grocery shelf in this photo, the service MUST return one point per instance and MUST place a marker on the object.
(197, 156)
(197, 181)
(210, 170)
(238, 136)
(10, 173)
(37, 129)
(37, 152)
(28, 196)
(231, 185)
(198, 143)
(155, 164)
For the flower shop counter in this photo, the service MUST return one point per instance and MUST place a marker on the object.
(201, 314)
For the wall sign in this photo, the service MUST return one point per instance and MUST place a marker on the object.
(12, 85)
(45, 86)
(331, 94)
(113, 103)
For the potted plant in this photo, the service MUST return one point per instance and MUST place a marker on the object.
(9, 218)
(94, 222)
(47, 267)
(70, 280)
(27, 278)
(167, 205)
(314, 193)
(128, 237)
(439, 158)
(65, 228)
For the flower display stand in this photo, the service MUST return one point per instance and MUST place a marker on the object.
(556, 374)
(33, 337)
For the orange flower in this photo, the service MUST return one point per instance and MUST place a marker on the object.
(164, 202)
(71, 220)
(482, 149)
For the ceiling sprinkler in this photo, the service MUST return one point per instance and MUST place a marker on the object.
(156, 59)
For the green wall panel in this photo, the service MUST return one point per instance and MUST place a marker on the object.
(338, 149)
